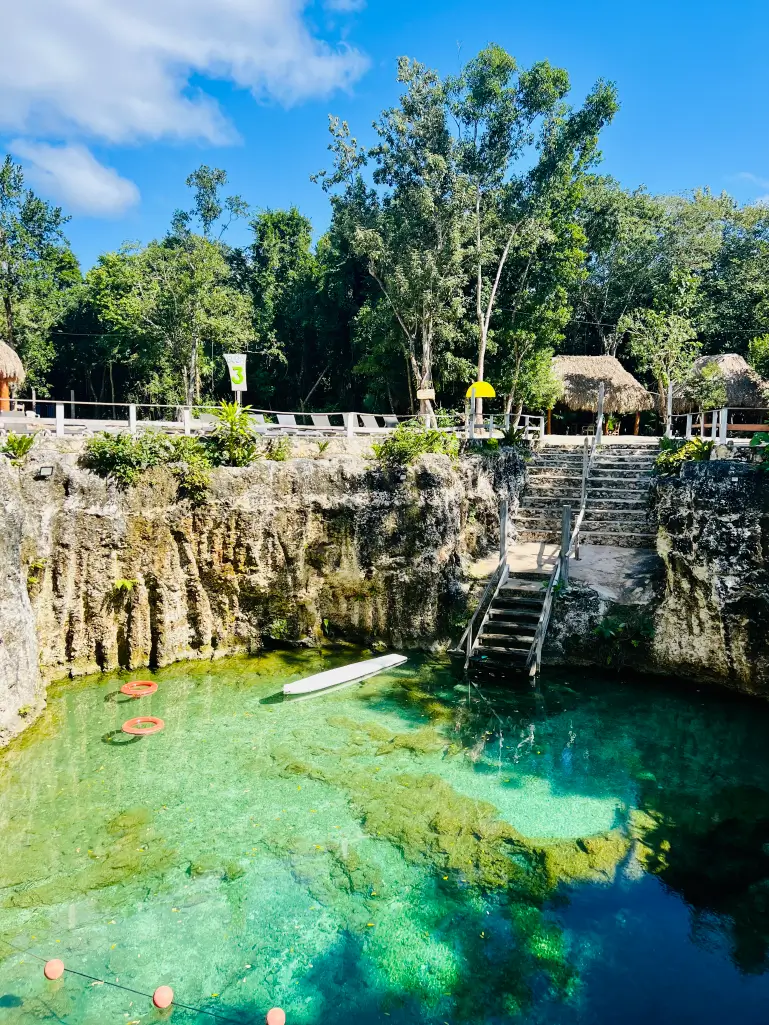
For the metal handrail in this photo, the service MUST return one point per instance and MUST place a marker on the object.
(535, 652)
(481, 614)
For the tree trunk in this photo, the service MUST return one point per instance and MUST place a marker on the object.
(10, 330)
(192, 377)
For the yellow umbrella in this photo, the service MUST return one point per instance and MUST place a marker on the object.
(480, 390)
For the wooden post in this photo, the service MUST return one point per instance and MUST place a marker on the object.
(565, 538)
(713, 425)
(59, 419)
(72, 403)
(599, 415)
(723, 425)
(637, 424)
(349, 423)
(503, 530)
(5, 395)
(472, 414)
(549, 421)
(688, 426)
(186, 420)
(132, 418)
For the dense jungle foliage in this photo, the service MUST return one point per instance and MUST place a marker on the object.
(474, 238)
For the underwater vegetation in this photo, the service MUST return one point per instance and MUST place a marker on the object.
(408, 847)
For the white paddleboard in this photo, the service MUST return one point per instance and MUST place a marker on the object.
(344, 674)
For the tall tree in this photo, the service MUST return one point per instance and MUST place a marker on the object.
(412, 229)
(504, 114)
(664, 344)
(31, 237)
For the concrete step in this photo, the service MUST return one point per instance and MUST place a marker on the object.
(625, 539)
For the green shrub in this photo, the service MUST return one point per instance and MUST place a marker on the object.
(122, 458)
(278, 449)
(409, 441)
(124, 585)
(760, 442)
(674, 452)
(323, 445)
(191, 467)
(758, 355)
(233, 440)
(17, 446)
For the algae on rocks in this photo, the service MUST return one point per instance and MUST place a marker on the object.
(291, 551)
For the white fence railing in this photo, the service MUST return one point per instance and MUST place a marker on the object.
(73, 418)
(718, 424)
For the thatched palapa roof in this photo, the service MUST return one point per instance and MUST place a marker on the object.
(581, 376)
(11, 368)
(744, 388)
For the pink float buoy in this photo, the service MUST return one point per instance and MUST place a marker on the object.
(276, 1016)
(163, 997)
(53, 969)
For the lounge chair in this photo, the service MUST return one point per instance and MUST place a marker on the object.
(390, 420)
(370, 424)
(288, 425)
(322, 421)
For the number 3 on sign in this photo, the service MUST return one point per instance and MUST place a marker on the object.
(236, 364)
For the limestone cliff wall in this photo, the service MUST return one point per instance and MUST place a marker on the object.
(100, 578)
(21, 691)
(712, 618)
(703, 613)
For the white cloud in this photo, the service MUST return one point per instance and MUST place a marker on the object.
(120, 70)
(74, 177)
(754, 179)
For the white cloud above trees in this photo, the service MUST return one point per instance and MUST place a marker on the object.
(130, 71)
(75, 178)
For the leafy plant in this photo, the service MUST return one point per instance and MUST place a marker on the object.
(706, 386)
(615, 634)
(674, 452)
(760, 442)
(758, 355)
(323, 446)
(17, 446)
(124, 457)
(278, 449)
(411, 440)
(515, 437)
(124, 585)
(233, 439)
(191, 468)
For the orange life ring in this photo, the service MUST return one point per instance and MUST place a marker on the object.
(138, 688)
(134, 726)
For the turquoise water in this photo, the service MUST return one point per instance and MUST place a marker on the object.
(406, 849)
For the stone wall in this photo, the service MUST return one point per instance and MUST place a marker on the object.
(295, 551)
(712, 619)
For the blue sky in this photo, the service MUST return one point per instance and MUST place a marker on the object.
(109, 104)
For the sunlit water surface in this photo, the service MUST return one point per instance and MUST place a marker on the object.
(401, 850)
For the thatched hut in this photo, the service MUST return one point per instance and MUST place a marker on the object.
(744, 388)
(582, 376)
(12, 373)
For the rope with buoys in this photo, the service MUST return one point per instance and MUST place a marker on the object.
(163, 996)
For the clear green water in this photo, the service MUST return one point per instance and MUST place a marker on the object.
(402, 850)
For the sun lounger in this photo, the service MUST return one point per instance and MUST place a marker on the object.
(322, 421)
(390, 420)
(370, 424)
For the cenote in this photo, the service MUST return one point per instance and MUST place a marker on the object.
(406, 849)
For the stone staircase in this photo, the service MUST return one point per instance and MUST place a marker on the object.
(507, 635)
(617, 509)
